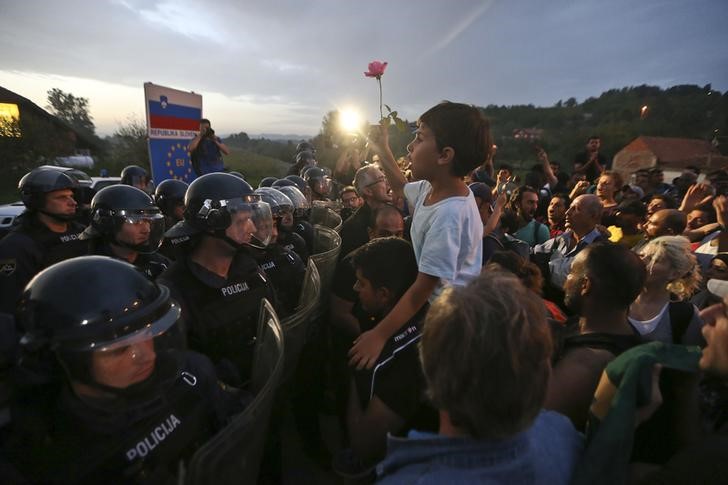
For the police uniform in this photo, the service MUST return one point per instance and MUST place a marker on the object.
(152, 264)
(220, 315)
(30, 247)
(292, 241)
(305, 229)
(138, 438)
(286, 272)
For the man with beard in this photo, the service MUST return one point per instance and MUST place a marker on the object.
(524, 203)
(665, 222)
(45, 234)
(604, 281)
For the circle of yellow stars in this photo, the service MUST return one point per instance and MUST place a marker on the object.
(179, 162)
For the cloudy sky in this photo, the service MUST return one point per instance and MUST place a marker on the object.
(279, 66)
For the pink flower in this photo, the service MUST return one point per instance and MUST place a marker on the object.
(376, 69)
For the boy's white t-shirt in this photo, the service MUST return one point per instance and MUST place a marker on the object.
(447, 236)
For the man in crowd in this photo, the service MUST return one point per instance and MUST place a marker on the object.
(206, 150)
(45, 234)
(524, 204)
(555, 256)
(665, 222)
(350, 201)
(627, 228)
(604, 280)
(388, 398)
(488, 381)
(556, 214)
(590, 162)
(372, 186)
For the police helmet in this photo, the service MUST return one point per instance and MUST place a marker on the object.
(305, 146)
(306, 158)
(214, 201)
(299, 201)
(170, 194)
(134, 175)
(40, 181)
(237, 174)
(283, 183)
(300, 183)
(266, 182)
(277, 200)
(318, 180)
(94, 304)
(126, 216)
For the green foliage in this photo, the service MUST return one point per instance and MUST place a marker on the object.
(681, 111)
(71, 109)
(280, 150)
(254, 166)
(40, 142)
(128, 145)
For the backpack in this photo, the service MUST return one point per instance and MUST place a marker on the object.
(510, 243)
(681, 314)
(567, 337)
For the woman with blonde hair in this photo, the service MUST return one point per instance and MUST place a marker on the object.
(662, 311)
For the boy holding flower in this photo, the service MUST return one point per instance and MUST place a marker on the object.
(451, 140)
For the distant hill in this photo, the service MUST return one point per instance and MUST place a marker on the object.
(279, 137)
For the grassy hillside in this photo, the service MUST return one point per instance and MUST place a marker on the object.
(254, 166)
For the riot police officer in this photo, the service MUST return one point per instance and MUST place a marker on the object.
(170, 198)
(103, 393)
(303, 159)
(125, 224)
(319, 182)
(135, 176)
(218, 281)
(46, 232)
(283, 266)
(294, 230)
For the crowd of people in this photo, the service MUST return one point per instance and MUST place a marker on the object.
(481, 327)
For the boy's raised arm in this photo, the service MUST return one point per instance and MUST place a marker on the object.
(380, 145)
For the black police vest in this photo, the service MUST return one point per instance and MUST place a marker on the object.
(152, 265)
(143, 443)
(291, 241)
(286, 272)
(221, 321)
(304, 229)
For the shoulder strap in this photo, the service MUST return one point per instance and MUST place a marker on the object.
(681, 313)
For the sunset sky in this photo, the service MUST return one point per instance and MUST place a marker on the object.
(279, 66)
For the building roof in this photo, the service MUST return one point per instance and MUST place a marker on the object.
(671, 150)
(25, 104)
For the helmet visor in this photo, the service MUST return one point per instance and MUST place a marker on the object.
(246, 213)
(140, 230)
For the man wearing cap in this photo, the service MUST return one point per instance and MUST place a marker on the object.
(629, 217)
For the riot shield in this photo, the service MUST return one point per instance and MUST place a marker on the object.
(233, 455)
(295, 325)
(325, 216)
(326, 246)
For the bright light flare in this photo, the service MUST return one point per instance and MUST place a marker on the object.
(350, 120)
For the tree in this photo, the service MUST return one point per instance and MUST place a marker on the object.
(71, 109)
(128, 145)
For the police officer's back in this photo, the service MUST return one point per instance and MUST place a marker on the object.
(46, 232)
(126, 225)
(218, 282)
(103, 395)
